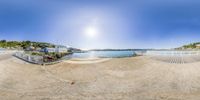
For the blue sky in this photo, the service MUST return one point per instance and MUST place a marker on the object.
(119, 23)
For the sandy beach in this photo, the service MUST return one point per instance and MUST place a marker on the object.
(134, 78)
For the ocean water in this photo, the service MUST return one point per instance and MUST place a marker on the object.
(103, 54)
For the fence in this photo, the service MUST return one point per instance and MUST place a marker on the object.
(172, 53)
(37, 59)
(29, 58)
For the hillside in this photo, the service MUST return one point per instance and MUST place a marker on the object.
(23, 44)
(191, 46)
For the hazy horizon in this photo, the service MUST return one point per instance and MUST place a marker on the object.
(92, 24)
(87, 48)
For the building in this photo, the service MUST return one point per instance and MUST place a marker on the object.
(198, 46)
(61, 49)
(30, 48)
(48, 50)
(57, 49)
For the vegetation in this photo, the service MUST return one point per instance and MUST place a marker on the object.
(37, 53)
(33, 48)
(23, 44)
(191, 46)
(49, 57)
(54, 56)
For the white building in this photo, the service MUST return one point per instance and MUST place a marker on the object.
(198, 45)
(48, 50)
(61, 49)
(58, 49)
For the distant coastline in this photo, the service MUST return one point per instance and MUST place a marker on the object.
(119, 49)
(21, 45)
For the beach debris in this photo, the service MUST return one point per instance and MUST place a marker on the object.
(72, 83)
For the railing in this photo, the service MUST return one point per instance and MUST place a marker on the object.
(37, 59)
(29, 58)
(172, 53)
(140, 53)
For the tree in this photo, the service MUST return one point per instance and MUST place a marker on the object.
(3, 41)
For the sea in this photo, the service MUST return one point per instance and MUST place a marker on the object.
(104, 54)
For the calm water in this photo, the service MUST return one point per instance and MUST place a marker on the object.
(104, 54)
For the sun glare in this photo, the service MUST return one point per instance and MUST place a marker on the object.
(91, 32)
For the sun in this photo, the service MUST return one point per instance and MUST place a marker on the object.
(91, 32)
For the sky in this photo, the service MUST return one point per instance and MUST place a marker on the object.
(101, 24)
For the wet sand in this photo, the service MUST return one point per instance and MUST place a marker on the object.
(135, 78)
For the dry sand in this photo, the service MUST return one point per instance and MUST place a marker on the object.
(136, 78)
